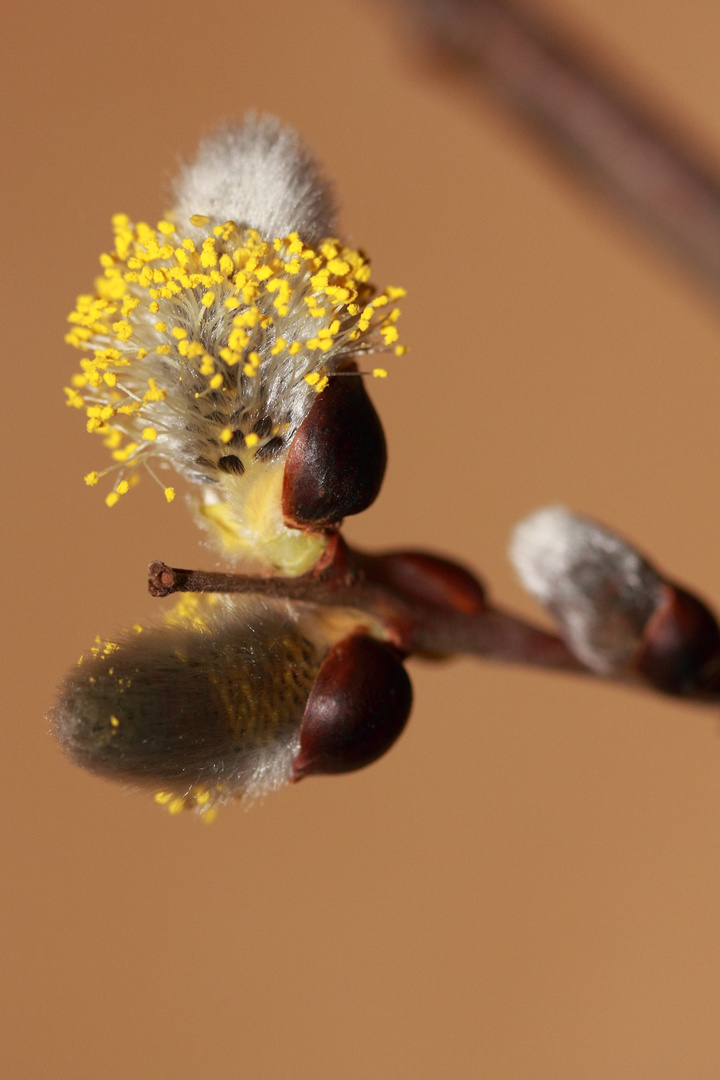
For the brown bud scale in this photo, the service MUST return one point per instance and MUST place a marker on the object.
(336, 461)
(358, 706)
(681, 643)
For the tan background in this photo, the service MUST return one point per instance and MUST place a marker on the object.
(528, 886)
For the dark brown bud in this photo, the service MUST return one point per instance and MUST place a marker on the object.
(336, 461)
(358, 706)
(681, 644)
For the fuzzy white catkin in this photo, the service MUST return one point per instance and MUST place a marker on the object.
(211, 698)
(260, 175)
(600, 589)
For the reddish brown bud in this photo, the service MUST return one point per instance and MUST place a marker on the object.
(430, 579)
(680, 641)
(336, 462)
(358, 706)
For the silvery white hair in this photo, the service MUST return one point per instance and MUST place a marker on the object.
(599, 588)
(258, 174)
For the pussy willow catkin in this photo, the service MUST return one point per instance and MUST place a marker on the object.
(207, 337)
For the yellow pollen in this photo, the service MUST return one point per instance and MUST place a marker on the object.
(150, 302)
(208, 257)
(123, 330)
(169, 494)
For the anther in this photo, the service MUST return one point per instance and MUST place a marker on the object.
(230, 463)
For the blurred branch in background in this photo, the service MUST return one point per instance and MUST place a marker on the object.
(609, 134)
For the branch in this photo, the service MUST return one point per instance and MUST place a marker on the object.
(427, 605)
(585, 117)
(622, 620)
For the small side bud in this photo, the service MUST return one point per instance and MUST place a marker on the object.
(358, 706)
(431, 579)
(599, 588)
(336, 462)
(681, 649)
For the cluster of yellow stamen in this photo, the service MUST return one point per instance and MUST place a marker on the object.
(222, 323)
